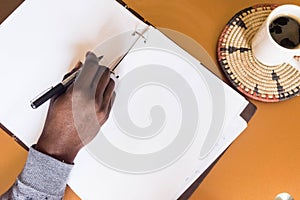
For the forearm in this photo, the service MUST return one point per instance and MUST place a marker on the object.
(43, 177)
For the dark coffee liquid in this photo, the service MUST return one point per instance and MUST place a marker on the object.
(286, 32)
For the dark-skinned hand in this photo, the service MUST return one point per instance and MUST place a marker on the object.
(75, 117)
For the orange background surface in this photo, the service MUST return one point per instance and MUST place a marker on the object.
(261, 163)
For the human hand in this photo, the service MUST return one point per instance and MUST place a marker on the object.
(75, 117)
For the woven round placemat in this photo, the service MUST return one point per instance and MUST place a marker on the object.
(248, 75)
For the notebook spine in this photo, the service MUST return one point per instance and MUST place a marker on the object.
(134, 12)
(248, 112)
(122, 3)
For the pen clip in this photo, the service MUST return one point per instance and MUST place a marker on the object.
(70, 79)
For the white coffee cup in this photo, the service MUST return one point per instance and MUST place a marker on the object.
(266, 50)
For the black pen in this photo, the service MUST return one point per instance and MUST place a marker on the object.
(52, 91)
(56, 90)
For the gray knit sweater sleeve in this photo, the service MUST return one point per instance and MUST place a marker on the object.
(43, 177)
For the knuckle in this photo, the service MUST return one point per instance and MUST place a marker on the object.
(102, 115)
(106, 71)
(103, 107)
(112, 82)
(106, 117)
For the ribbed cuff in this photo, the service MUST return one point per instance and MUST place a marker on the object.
(45, 174)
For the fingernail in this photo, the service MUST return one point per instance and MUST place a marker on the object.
(100, 57)
(115, 79)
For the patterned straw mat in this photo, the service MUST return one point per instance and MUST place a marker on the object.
(249, 76)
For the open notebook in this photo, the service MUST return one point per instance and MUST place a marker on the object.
(172, 117)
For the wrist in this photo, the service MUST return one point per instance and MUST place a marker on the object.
(61, 154)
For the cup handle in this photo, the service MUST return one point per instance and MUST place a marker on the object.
(295, 62)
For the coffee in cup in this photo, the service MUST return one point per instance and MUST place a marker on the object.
(278, 39)
(285, 31)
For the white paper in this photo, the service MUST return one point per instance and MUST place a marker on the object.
(171, 180)
(41, 40)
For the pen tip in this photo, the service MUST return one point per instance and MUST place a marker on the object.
(100, 57)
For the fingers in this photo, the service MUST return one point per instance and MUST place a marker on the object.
(111, 103)
(77, 67)
(102, 84)
(107, 96)
(112, 100)
(94, 82)
(90, 70)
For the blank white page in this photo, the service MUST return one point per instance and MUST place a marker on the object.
(172, 118)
